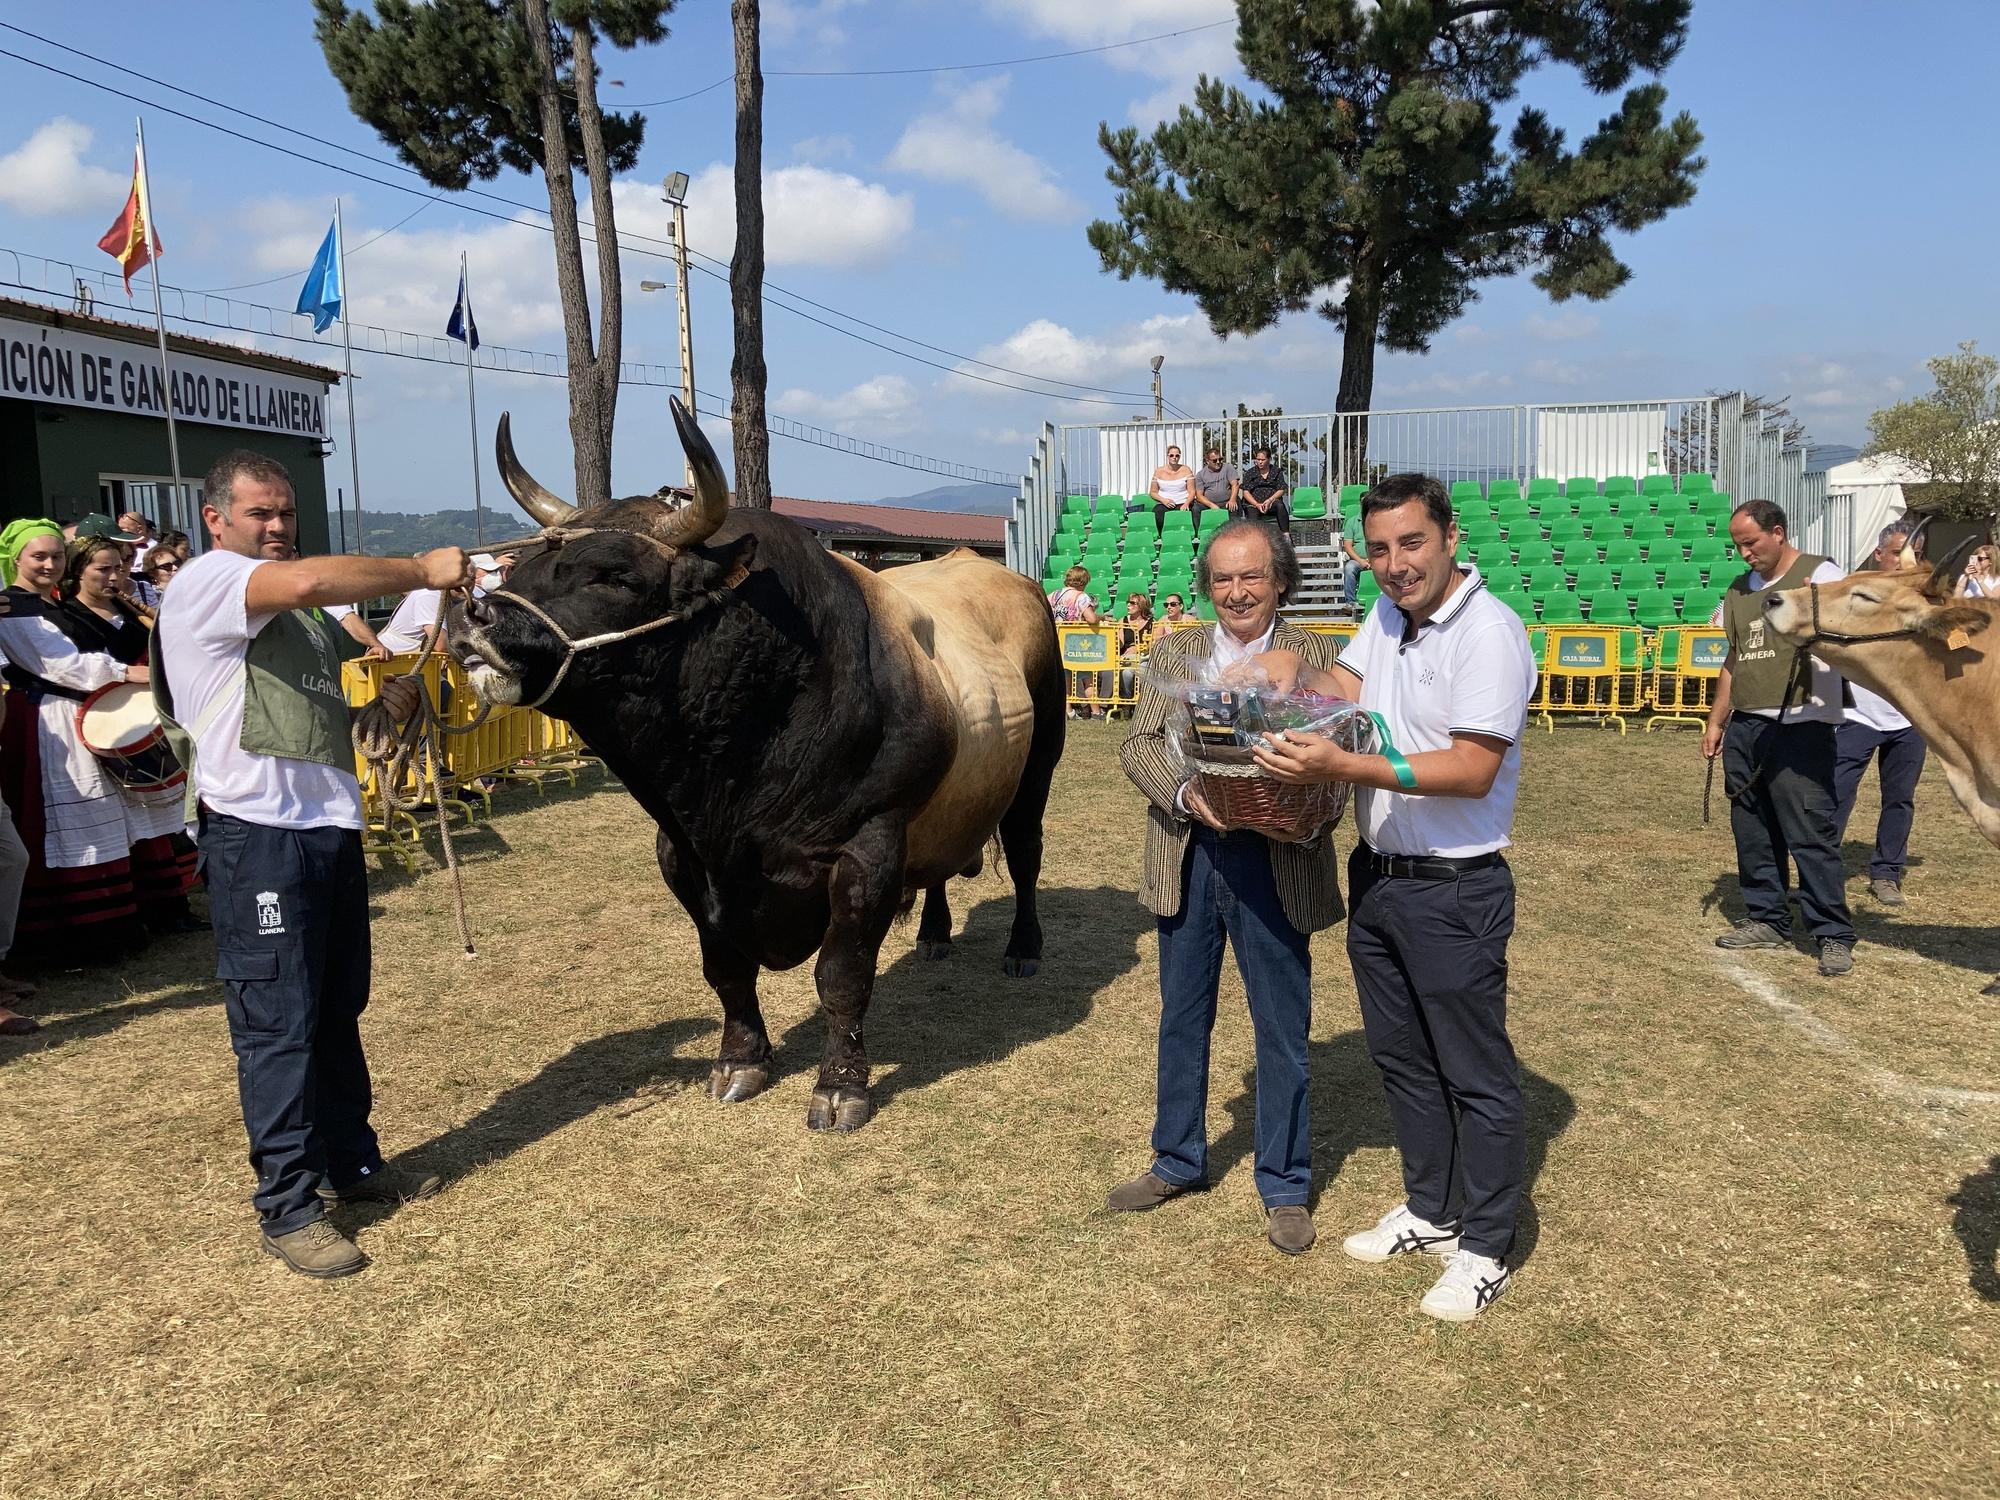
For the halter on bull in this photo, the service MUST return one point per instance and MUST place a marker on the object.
(817, 743)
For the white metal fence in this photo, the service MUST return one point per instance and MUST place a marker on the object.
(1744, 449)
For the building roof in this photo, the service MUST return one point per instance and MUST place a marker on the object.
(139, 333)
(838, 518)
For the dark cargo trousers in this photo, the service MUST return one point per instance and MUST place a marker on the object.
(1430, 966)
(1902, 753)
(1786, 819)
(290, 908)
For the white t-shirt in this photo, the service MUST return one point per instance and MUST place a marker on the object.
(1469, 670)
(205, 631)
(405, 630)
(1822, 704)
(1873, 710)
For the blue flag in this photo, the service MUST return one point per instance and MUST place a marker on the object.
(462, 327)
(319, 298)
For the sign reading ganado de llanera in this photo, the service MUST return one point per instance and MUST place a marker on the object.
(70, 368)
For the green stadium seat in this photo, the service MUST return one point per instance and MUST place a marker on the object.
(1630, 508)
(1076, 505)
(1607, 607)
(1580, 487)
(1699, 608)
(1212, 520)
(1532, 552)
(1593, 509)
(1492, 558)
(1522, 605)
(1681, 579)
(1350, 494)
(1665, 549)
(1657, 484)
(1715, 506)
(1543, 486)
(1203, 610)
(1688, 529)
(1620, 484)
(1112, 505)
(1503, 489)
(1572, 543)
(1177, 522)
(1479, 529)
(1561, 609)
(1636, 577)
(1466, 490)
(1308, 503)
(1654, 608)
(1513, 512)
(1621, 550)
(1723, 571)
(1697, 484)
(1673, 507)
(1072, 523)
(1648, 529)
(1593, 578)
(1545, 581)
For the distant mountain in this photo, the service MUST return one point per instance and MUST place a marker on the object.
(391, 532)
(961, 499)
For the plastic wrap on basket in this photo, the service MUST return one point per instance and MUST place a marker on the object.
(1216, 724)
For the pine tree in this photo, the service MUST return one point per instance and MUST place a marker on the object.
(1371, 182)
(464, 89)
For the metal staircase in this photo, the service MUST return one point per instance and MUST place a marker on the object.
(1320, 598)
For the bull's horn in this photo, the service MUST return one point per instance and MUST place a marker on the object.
(545, 507)
(697, 521)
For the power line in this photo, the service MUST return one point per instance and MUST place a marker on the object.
(626, 239)
(244, 286)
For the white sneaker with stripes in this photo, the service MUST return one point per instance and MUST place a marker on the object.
(1470, 1284)
(1401, 1232)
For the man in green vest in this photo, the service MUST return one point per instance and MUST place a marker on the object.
(1774, 725)
(248, 678)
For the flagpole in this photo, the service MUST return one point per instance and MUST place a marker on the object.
(472, 403)
(347, 350)
(174, 502)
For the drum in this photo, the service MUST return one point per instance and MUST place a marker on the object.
(119, 725)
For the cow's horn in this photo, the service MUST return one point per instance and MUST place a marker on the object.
(697, 521)
(1945, 576)
(545, 507)
(1912, 553)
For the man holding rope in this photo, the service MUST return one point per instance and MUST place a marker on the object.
(1774, 723)
(1447, 669)
(249, 683)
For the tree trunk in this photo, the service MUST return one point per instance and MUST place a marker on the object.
(603, 394)
(589, 430)
(1361, 322)
(747, 376)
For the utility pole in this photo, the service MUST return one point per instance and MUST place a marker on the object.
(677, 187)
(1159, 414)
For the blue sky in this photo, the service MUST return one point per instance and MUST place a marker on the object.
(1843, 231)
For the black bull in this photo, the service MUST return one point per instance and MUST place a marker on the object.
(817, 743)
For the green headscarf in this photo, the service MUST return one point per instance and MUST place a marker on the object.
(17, 535)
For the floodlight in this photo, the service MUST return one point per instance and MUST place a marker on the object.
(677, 188)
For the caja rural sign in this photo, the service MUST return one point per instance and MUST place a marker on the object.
(68, 368)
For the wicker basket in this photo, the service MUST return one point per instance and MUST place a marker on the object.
(1243, 796)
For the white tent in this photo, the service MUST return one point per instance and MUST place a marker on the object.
(1877, 487)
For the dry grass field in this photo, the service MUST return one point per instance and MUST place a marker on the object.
(1760, 1260)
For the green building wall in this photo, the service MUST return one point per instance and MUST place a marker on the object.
(51, 457)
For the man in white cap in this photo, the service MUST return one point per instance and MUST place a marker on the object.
(486, 573)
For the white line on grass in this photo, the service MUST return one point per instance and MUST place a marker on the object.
(1795, 1015)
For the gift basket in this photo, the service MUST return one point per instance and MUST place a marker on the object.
(1217, 725)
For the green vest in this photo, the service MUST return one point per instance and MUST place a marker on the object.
(1764, 660)
(292, 702)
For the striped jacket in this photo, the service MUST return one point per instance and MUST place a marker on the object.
(1308, 880)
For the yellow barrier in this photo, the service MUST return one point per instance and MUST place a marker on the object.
(517, 744)
(1583, 667)
(1687, 660)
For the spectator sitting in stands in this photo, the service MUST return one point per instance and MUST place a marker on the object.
(1174, 614)
(1072, 606)
(1172, 488)
(413, 627)
(1264, 493)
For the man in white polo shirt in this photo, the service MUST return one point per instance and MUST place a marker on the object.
(1431, 899)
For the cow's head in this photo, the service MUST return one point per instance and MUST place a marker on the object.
(597, 572)
(1911, 603)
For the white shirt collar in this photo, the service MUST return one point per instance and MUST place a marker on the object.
(1228, 651)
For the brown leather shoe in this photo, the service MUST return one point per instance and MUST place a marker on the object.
(12, 1023)
(1147, 1191)
(1290, 1229)
(317, 1250)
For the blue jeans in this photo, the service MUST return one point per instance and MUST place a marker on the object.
(1902, 752)
(1229, 894)
(290, 908)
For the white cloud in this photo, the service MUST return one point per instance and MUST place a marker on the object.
(1119, 357)
(958, 144)
(46, 175)
(886, 406)
(1172, 63)
(1560, 327)
(812, 217)
(808, 21)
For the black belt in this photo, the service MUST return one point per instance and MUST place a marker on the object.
(1427, 866)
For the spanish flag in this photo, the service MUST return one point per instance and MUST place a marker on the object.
(133, 241)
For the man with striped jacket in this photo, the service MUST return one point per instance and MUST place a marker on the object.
(1264, 895)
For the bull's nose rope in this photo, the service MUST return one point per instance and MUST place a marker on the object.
(387, 747)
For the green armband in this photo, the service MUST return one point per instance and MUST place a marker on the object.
(1405, 777)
